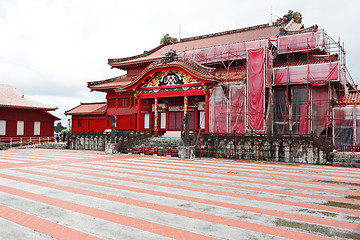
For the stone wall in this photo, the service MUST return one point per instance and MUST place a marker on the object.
(95, 142)
(346, 159)
(280, 150)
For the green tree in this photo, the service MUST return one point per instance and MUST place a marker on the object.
(59, 127)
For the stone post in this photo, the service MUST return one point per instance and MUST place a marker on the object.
(276, 153)
(286, 151)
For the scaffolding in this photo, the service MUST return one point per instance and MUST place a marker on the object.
(304, 75)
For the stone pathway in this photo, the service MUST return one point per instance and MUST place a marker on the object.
(67, 194)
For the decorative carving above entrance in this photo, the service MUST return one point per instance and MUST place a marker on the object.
(173, 77)
(179, 89)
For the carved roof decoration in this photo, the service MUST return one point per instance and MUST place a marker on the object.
(168, 40)
(291, 15)
(193, 68)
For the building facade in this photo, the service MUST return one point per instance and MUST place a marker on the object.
(22, 118)
(277, 78)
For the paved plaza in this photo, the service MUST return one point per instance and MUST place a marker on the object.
(67, 194)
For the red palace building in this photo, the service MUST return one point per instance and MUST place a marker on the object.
(271, 78)
(22, 119)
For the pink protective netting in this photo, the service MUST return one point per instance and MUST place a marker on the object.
(313, 73)
(223, 52)
(300, 42)
(344, 132)
(256, 89)
(229, 109)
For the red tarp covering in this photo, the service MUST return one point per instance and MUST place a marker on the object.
(223, 52)
(220, 111)
(300, 42)
(320, 109)
(300, 106)
(307, 73)
(256, 89)
(237, 96)
(304, 122)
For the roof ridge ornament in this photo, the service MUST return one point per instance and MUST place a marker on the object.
(290, 15)
(166, 40)
(170, 56)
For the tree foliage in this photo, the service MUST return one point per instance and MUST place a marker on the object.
(59, 127)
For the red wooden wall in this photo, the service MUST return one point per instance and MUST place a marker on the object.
(29, 116)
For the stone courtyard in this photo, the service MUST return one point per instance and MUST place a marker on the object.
(72, 194)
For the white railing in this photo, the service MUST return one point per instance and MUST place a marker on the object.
(20, 141)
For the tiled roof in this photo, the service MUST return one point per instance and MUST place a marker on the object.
(349, 99)
(206, 41)
(10, 97)
(110, 83)
(313, 60)
(87, 109)
(293, 26)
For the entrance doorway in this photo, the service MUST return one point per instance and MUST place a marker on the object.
(176, 118)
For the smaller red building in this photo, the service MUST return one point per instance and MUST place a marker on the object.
(22, 118)
(89, 116)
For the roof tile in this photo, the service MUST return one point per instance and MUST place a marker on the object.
(87, 109)
(10, 97)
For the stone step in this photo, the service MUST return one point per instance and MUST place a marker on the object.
(51, 145)
(171, 134)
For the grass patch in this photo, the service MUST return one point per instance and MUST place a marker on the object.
(337, 182)
(342, 205)
(353, 218)
(328, 214)
(353, 197)
(314, 228)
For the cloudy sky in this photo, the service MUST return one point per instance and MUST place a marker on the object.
(50, 49)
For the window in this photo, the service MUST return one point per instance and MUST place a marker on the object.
(36, 128)
(146, 120)
(2, 127)
(111, 103)
(281, 111)
(20, 128)
(163, 120)
(202, 119)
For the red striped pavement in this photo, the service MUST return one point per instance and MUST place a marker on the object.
(66, 194)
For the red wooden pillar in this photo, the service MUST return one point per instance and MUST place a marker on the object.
(207, 112)
(156, 116)
(138, 115)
